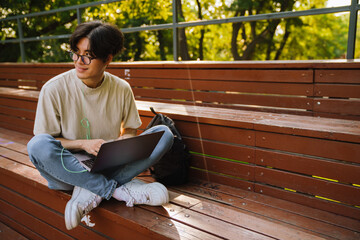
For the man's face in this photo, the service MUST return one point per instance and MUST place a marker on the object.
(91, 74)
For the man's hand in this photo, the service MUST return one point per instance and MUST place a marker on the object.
(91, 146)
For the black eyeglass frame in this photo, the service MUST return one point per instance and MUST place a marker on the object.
(71, 53)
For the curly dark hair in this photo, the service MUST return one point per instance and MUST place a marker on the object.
(105, 39)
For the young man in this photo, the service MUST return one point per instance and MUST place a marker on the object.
(80, 110)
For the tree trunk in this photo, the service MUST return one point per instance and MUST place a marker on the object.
(235, 32)
(283, 41)
(248, 53)
(202, 33)
(183, 47)
(234, 45)
(255, 39)
(161, 45)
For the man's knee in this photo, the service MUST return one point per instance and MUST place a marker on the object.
(38, 142)
(166, 129)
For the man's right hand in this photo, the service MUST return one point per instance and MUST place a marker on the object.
(91, 146)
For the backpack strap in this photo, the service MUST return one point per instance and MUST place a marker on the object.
(153, 111)
(162, 119)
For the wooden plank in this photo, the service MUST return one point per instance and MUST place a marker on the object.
(225, 98)
(7, 233)
(338, 106)
(216, 132)
(137, 220)
(26, 76)
(311, 201)
(13, 137)
(318, 64)
(205, 222)
(349, 152)
(254, 222)
(16, 128)
(13, 175)
(36, 69)
(222, 150)
(15, 103)
(15, 147)
(34, 224)
(216, 116)
(177, 230)
(260, 100)
(17, 112)
(17, 84)
(17, 122)
(332, 129)
(15, 156)
(247, 75)
(234, 169)
(30, 95)
(337, 76)
(252, 108)
(46, 215)
(336, 116)
(196, 175)
(316, 187)
(343, 172)
(213, 225)
(289, 218)
(213, 85)
(20, 228)
(112, 217)
(337, 90)
(106, 221)
(283, 205)
(163, 94)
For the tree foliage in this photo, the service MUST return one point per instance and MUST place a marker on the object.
(310, 37)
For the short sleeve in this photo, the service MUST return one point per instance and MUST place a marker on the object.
(47, 119)
(131, 118)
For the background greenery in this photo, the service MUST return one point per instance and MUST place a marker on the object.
(310, 37)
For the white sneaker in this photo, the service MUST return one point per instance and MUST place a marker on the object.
(153, 194)
(80, 204)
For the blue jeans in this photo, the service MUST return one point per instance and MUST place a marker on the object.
(45, 153)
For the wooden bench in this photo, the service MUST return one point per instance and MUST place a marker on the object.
(264, 163)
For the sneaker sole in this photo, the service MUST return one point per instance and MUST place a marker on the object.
(68, 218)
(164, 191)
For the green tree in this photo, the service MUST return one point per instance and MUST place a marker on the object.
(149, 45)
(55, 24)
(311, 37)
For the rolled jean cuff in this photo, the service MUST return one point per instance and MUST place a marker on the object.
(112, 190)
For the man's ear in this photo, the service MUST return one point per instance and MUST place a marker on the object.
(109, 59)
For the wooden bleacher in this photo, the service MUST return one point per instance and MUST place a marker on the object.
(275, 152)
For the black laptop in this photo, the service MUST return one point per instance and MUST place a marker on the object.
(120, 152)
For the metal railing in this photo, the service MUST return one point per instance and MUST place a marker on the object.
(353, 9)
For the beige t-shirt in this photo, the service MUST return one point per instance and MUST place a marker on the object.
(65, 100)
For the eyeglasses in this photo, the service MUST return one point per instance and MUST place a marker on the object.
(85, 59)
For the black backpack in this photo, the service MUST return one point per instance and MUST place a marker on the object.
(173, 167)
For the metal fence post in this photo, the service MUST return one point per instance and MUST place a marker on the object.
(21, 40)
(352, 30)
(175, 33)
(78, 13)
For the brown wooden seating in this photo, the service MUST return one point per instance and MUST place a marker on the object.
(265, 163)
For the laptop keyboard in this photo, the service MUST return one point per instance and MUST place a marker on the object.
(89, 163)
